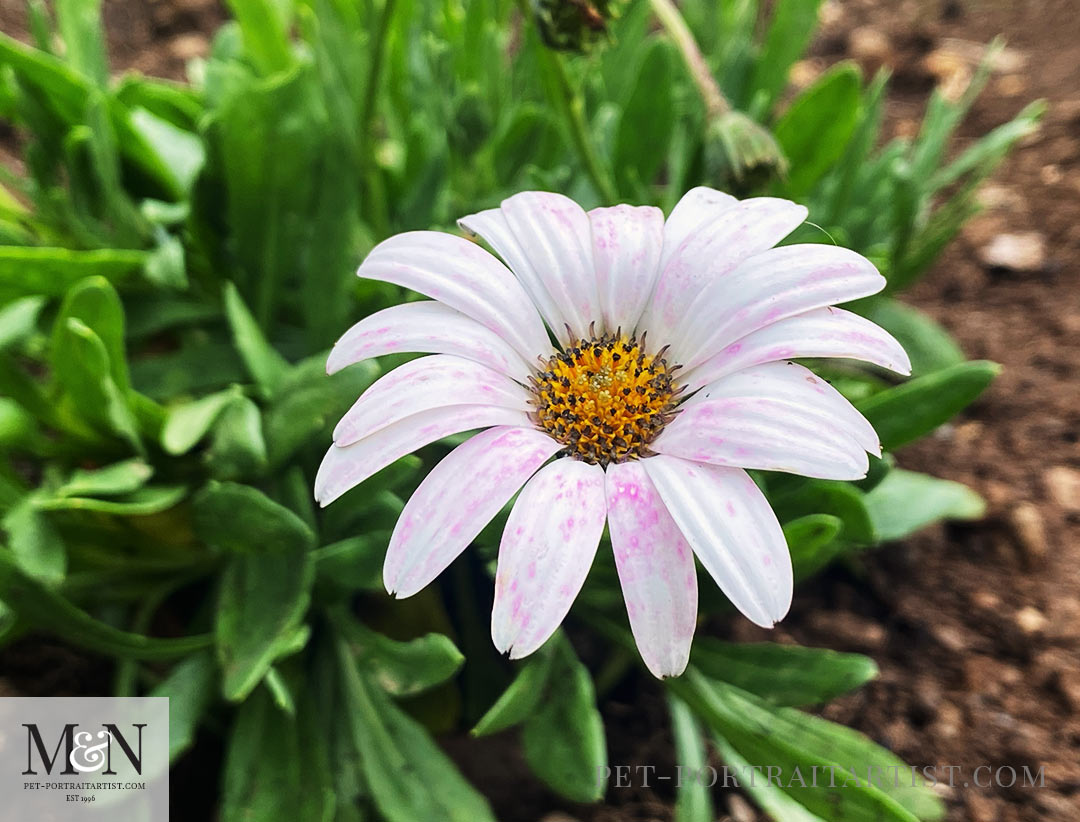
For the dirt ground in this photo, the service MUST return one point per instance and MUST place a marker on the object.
(976, 628)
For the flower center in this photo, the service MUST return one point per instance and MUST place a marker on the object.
(605, 399)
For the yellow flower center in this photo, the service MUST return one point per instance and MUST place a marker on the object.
(605, 399)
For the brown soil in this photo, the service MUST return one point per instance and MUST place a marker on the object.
(976, 628)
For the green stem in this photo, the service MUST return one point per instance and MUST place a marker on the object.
(675, 25)
(376, 198)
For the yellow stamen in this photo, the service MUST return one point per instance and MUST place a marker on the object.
(605, 399)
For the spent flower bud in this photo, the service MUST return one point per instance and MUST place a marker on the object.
(573, 25)
(741, 155)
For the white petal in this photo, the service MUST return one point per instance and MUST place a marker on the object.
(422, 384)
(546, 552)
(656, 569)
(822, 332)
(626, 243)
(465, 277)
(729, 524)
(554, 235)
(775, 417)
(425, 327)
(345, 468)
(772, 286)
(457, 499)
(709, 252)
(491, 225)
(696, 206)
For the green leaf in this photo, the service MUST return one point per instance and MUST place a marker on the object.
(786, 738)
(181, 151)
(914, 408)
(812, 542)
(693, 802)
(354, 563)
(409, 776)
(563, 738)
(79, 22)
(237, 448)
(152, 499)
(48, 611)
(277, 767)
(783, 674)
(521, 696)
(260, 615)
(930, 347)
(772, 800)
(404, 668)
(189, 687)
(112, 480)
(815, 130)
(240, 518)
(647, 121)
(18, 320)
(790, 30)
(37, 547)
(266, 366)
(95, 303)
(840, 499)
(906, 501)
(189, 422)
(264, 32)
(33, 270)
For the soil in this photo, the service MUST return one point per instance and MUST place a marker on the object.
(976, 628)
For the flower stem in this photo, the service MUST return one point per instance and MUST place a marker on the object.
(673, 22)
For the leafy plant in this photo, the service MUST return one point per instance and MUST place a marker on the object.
(174, 265)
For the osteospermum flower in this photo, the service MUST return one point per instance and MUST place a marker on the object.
(628, 370)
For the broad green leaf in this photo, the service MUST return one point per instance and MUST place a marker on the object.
(840, 499)
(914, 408)
(647, 120)
(693, 802)
(95, 303)
(79, 22)
(18, 320)
(772, 800)
(790, 30)
(906, 501)
(563, 738)
(783, 674)
(49, 611)
(264, 32)
(189, 688)
(111, 480)
(18, 429)
(27, 270)
(240, 518)
(812, 542)
(404, 668)
(180, 150)
(521, 696)
(35, 543)
(189, 422)
(277, 767)
(266, 366)
(237, 448)
(260, 612)
(786, 738)
(816, 129)
(409, 776)
(354, 563)
(530, 136)
(929, 346)
(152, 499)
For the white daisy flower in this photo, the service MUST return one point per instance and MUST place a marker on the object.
(667, 377)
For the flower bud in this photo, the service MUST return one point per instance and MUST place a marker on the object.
(741, 155)
(573, 25)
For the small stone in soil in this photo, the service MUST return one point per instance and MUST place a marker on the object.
(1016, 252)
(1063, 483)
(1029, 532)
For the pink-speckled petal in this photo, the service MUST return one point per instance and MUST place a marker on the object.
(823, 332)
(768, 287)
(491, 226)
(554, 235)
(546, 552)
(729, 524)
(425, 327)
(627, 241)
(345, 468)
(697, 206)
(422, 384)
(709, 253)
(457, 499)
(465, 277)
(774, 417)
(656, 569)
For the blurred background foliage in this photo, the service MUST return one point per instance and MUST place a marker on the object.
(177, 259)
